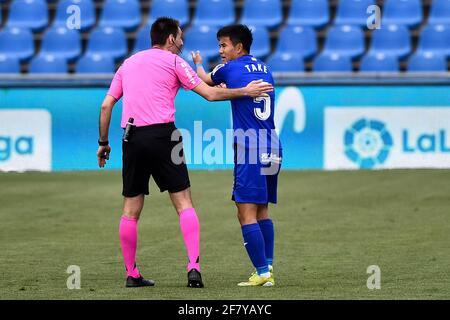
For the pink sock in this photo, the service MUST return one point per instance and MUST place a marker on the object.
(128, 242)
(190, 228)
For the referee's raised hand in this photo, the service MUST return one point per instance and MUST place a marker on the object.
(258, 88)
(103, 155)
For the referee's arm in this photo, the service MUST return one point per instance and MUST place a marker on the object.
(256, 88)
(105, 119)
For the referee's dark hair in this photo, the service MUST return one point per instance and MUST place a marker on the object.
(238, 33)
(162, 28)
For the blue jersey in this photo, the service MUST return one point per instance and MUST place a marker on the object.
(253, 118)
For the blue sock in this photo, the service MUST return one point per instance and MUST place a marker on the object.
(267, 230)
(254, 244)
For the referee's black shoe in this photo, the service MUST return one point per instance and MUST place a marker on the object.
(139, 282)
(195, 279)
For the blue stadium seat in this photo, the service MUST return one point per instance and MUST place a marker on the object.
(379, 63)
(202, 38)
(95, 63)
(9, 64)
(261, 42)
(286, 62)
(47, 64)
(332, 63)
(177, 9)
(17, 42)
(262, 13)
(353, 12)
(312, 13)
(108, 41)
(391, 40)
(124, 14)
(439, 12)
(427, 62)
(214, 12)
(87, 13)
(142, 39)
(62, 42)
(405, 12)
(297, 40)
(345, 40)
(32, 14)
(435, 38)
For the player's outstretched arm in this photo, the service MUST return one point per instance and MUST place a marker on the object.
(105, 119)
(198, 60)
(256, 88)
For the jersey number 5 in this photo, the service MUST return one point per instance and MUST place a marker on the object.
(265, 113)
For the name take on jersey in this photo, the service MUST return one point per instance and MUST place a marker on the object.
(253, 118)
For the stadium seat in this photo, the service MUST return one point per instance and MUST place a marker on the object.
(332, 63)
(177, 9)
(95, 63)
(87, 13)
(379, 63)
(345, 40)
(353, 12)
(124, 14)
(391, 40)
(108, 41)
(62, 42)
(32, 14)
(47, 64)
(439, 12)
(202, 38)
(286, 62)
(261, 42)
(262, 13)
(427, 62)
(9, 64)
(404, 12)
(142, 39)
(435, 38)
(214, 13)
(311, 13)
(17, 42)
(297, 40)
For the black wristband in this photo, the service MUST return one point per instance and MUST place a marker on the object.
(103, 143)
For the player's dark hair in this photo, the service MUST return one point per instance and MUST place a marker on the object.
(162, 28)
(238, 33)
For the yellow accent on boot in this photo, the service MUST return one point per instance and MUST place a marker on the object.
(254, 273)
(256, 280)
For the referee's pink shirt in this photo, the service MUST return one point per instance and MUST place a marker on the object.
(149, 82)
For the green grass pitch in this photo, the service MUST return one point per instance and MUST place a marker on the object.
(330, 226)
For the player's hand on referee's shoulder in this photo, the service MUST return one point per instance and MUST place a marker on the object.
(258, 88)
(103, 155)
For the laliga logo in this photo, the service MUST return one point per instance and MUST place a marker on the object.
(367, 143)
(22, 145)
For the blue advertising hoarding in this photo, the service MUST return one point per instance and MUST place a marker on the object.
(321, 127)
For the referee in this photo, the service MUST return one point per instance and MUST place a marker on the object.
(148, 82)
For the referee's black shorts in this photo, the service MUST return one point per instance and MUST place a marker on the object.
(150, 151)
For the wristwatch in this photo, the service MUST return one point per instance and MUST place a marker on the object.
(103, 143)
